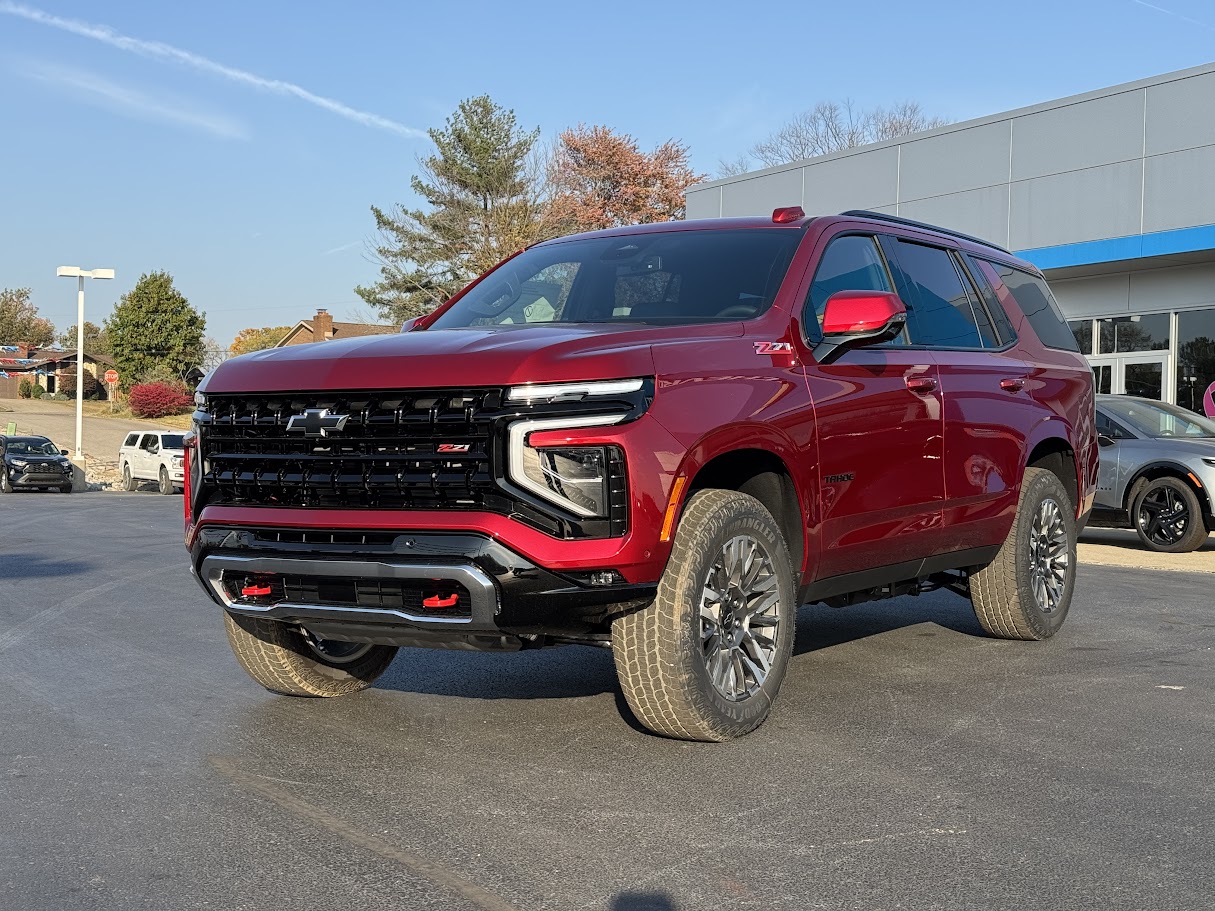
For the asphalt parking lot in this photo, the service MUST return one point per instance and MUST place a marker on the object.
(910, 763)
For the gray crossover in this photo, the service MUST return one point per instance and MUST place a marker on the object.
(1157, 471)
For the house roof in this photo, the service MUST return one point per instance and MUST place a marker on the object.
(340, 330)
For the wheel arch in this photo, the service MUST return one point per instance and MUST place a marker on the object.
(1160, 468)
(1057, 455)
(764, 474)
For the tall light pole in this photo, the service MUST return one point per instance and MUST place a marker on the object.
(81, 274)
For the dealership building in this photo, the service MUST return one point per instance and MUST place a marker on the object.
(1110, 193)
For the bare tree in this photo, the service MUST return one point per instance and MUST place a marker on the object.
(832, 126)
(733, 167)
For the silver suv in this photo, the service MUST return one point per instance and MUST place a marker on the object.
(1157, 471)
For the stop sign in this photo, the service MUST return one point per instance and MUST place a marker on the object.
(111, 377)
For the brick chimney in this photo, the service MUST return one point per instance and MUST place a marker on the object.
(322, 326)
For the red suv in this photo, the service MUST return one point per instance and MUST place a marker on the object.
(660, 440)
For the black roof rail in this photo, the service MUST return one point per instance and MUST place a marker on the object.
(880, 216)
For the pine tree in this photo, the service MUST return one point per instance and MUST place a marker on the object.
(484, 204)
(153, 327)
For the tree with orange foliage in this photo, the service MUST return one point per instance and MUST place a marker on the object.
(249, 340)
(600, 179)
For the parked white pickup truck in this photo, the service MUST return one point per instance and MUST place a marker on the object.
(153, 455)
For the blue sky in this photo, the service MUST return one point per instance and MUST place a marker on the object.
(239, 145)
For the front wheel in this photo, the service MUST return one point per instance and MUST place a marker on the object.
(1025, 592)
(289, 660)
(6, 486)
(705, 660)
(1168, 517)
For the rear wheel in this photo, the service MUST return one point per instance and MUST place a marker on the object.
(290, 660)
(1168, 517)
(706, 659)
(1025, 592)
(128, 482)
(166, 486)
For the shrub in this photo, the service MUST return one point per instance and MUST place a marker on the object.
(157, 400)
(38, 391)
(67, 385)
(24, 388)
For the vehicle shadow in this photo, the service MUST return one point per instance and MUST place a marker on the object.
(642, 901)
(34, 566)
(820, 627)
(573, 672)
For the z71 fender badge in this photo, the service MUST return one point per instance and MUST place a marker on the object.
(773, 348)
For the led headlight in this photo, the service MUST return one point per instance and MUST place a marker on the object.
(564, 392)
(19, 463)
(574, 477)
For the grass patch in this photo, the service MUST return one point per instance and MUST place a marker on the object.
(108, 410)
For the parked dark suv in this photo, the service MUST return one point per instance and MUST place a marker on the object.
(33, 463)
(659, 439)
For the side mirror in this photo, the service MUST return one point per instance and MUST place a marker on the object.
(856, 319)
(408, 325)
(63, 452)
(1103, 440)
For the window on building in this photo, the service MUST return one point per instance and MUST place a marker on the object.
(1140, 332)
(1082, 329)
(1195, 357)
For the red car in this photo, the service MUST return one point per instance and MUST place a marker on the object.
(659, 439)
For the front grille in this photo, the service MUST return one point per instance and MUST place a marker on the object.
(408, 595)
(410, 449)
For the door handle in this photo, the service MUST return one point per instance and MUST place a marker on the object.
(1013, 384)
(921, 385)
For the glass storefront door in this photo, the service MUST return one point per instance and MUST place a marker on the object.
(1145, 375)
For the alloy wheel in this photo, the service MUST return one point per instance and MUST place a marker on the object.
(1163, 515)
(739, 618)
(1049, 556)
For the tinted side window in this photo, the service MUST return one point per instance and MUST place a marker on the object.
(1003, 324)
(942, 314)
(1110, 428)
(850, 263)
(1034, 298)
(131, 440)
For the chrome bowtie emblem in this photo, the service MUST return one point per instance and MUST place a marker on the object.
(316, 422)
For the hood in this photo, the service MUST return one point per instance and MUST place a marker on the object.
(479, 356)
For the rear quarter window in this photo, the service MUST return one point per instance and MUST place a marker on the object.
(131, 440)
(1038, 304)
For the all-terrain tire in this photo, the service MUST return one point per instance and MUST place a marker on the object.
(1168, 517)
(1004, 594)
(663, 653)
(6, 486)
(165, 486)
(128, 482)
(280, 658)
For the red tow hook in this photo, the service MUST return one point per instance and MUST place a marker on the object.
(438, 601)
(255, 591)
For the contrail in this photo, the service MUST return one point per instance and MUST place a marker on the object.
(160, 51)
(1169, 12)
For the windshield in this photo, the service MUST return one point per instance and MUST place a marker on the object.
(31, 446)
(173, 441)
(672, 277)
(1160, 419)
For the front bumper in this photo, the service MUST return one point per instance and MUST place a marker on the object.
(37, 476)
(370, 586)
